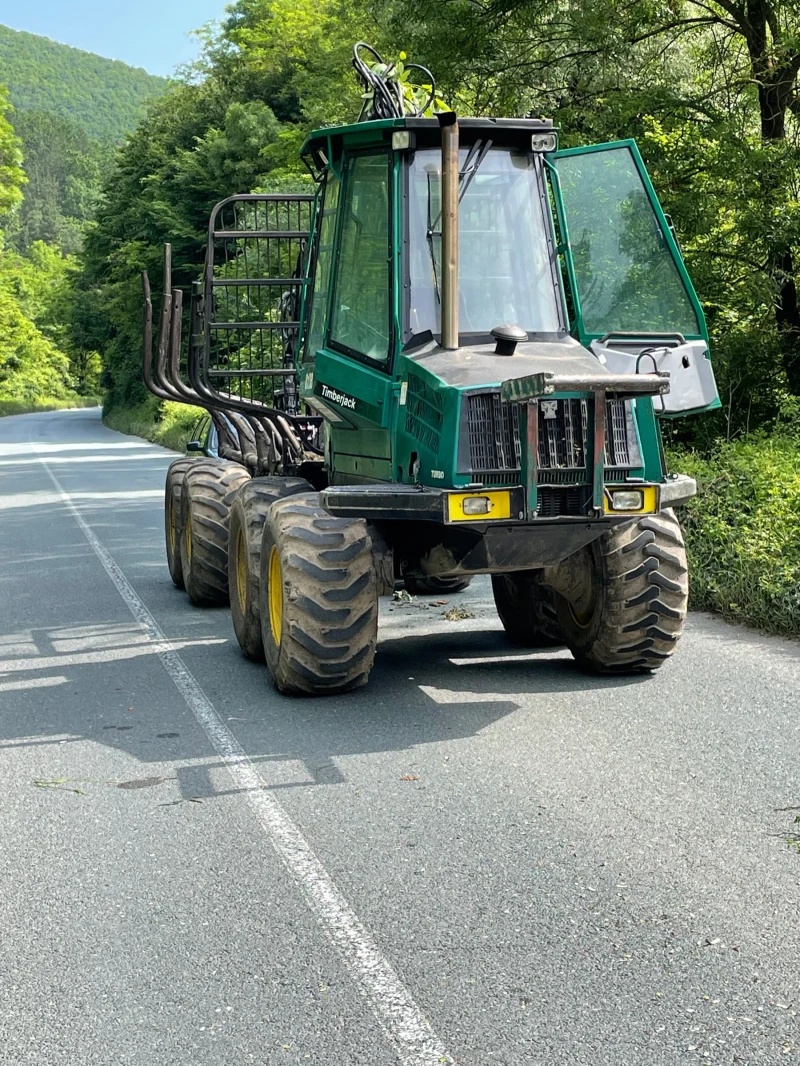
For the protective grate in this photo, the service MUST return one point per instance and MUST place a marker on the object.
(256, 249)
(569, 502)
(423, 412)
(563, 446)
(493, 428)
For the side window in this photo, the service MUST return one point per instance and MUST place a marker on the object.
(360, 316)
(322, 275)
(200, 428)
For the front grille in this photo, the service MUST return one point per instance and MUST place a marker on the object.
(563, 502)
(563, 446)
(493, 433)
(563, 435)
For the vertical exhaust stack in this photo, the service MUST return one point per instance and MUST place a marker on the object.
(449, 123)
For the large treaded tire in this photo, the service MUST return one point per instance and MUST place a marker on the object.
(325, 611)
(209, 489)
(640, 598)
(245, 532)
(172, 516)
(436, 586)
(526, 609)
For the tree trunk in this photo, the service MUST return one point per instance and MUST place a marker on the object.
(775, 89)
(787, 316)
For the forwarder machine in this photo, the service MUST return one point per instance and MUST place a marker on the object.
(450, 360)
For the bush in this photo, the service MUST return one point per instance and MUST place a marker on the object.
(743, 531)
(167, 424)
(21, 407)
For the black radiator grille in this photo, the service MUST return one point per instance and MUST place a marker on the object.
(557, 502)
(563, 446)
(493, 433)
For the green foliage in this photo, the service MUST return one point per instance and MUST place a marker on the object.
(196, 146)
(18, 407)
(12, 176)
(167, 424)
(33, 366)
(743, 531)
(104, 97)
(64, 169)
(418, 98)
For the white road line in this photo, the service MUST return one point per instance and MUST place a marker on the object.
(400, 1017)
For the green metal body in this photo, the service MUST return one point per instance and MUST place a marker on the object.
(377, 430)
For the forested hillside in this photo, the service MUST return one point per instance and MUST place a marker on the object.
(36, 298)
(65, 169)
(58, 144)
(103, 97)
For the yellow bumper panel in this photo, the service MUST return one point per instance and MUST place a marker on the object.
(649, 496)
(499, 506)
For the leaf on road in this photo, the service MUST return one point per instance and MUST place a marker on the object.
(410, 777)
(144, 782)
(457, 614)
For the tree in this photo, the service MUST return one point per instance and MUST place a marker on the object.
(12, 176)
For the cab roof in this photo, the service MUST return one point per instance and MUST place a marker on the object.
(504, 132)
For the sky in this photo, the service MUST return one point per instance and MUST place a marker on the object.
(146, 33)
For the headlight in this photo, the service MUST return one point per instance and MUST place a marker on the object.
(627, 500)
(477, 505)
(544, 142)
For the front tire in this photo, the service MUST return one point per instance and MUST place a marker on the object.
(209, 489)
(245, 532)
(622, 601)
(319, 598)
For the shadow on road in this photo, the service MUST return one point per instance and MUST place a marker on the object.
(67, 684)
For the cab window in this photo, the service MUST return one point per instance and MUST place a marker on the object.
(322, 274)
(628, 280)
(360, 318)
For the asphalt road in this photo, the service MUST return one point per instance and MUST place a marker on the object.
(484, 857)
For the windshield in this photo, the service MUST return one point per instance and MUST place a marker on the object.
(505, 272)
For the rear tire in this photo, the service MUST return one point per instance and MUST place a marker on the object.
(209, 489)
(526, 609)
(245, 532)
(623, 605)
(319, 598)
(436, 586)
(172, 517)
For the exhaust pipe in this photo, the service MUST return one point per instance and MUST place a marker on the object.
(449, 123)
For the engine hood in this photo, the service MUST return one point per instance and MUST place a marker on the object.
(473, 366)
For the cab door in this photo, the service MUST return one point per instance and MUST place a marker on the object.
(352, 325)
(633, 302)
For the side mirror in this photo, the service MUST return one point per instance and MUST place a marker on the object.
(194, 446)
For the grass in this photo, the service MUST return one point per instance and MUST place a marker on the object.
(168, 424)
(19, 407)
(743, 531)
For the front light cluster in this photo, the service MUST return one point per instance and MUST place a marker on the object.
(477, 505)
(627, 500)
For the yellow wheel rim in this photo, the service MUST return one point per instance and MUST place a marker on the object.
(275, 596)
(171, 524)
(189, 535)
(241, 571)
